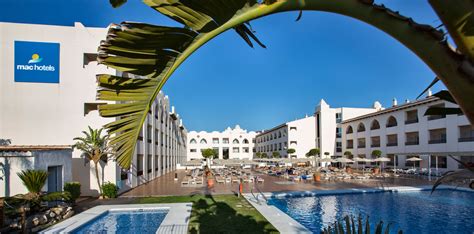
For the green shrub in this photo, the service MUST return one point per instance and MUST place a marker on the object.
(109, 190)
(74, 189)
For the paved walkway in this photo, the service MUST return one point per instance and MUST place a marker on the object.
(166, 186)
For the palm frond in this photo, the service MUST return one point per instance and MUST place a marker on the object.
(34, 180)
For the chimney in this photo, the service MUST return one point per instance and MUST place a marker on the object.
(407, 101)
(430, 93)
(394, 102)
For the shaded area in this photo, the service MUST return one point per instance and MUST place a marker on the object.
(219, 214)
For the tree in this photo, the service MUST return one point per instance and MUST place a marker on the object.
(348, 154)
(326, 153)
(275, 154)
(258, 155)
(376, 153)
(95, 148)
(290, 151)
(208, 154)
(264, 155)
(148, 50)
(313, 153)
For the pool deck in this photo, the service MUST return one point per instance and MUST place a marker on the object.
(167, 186)
(175, 222)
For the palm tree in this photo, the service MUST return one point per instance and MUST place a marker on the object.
(313, 153)
(34, 181)
(467, 173)
(157, 51)
(95, 148)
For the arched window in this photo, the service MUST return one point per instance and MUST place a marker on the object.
(391, 122)
(349, 130)
(193, 141)
(203, 141)
(375, 125)
(235, 141)
(246, 141)
(361, 128)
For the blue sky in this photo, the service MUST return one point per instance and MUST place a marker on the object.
(339, 59)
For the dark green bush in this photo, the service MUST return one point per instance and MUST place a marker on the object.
(109, 190)
(74, 189)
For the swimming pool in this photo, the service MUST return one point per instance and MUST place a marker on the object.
(125, 221)
(445, 211)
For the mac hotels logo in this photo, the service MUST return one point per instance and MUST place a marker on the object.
(36, 62)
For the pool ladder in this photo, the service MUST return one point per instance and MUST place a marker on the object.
(259, 194)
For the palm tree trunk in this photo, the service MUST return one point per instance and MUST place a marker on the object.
(96, 165)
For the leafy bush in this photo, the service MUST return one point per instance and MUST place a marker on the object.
(74, 189)
(109, 190)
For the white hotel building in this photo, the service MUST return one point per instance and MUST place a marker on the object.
(323, 131)
(403, 131)
(52, 106)
(231, 143)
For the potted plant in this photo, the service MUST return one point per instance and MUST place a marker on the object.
(208, 154)
(317, 176)
(376, 154)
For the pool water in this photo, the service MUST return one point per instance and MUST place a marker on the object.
(129, 221)
(444, 211)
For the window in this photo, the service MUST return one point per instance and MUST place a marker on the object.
(466, 133)
(279, 146)
(412, 138)
(350, 144)
(235, 149)
(411, 117)
(148, 133)
(235, 141)
(203, 141)
(437, 136)
(215, 140)
(392, 140)
(338, 147)
(293, 128)
(225, 140)
(293, 143)
(361, 143)
(149, 159)
(246, 141)
(349, 130)
(140, 164)
(279, 134)
(375, 141)
(338, 132)
(391, 122)
(192, 150)
(375, 125)
(193, 141)
(442, 161)
(338, 117)
(253, 140)
(433, 117)
(361, 128)
(245, 149)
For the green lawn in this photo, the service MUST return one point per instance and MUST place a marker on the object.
(219, 214)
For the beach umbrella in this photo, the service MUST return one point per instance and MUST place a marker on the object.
(414, 159)
(344, 160)
(382, 160)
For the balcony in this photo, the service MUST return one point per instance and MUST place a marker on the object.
(375, 145)
(350, 147)
(361, 146)
(392, 144)
(412, 143)
(466, 139)
(434, 117)
(437, 141)
(338, 150)
(411, 121)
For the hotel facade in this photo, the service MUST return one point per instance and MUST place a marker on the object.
(403, 131)
(232, 143)
(48, 97)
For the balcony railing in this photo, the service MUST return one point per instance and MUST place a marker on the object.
(465, 139)
(410, 121)
(375, 145)
(437, 141)
(361, 146)
(350, 147)
(412, 143)
(392, 143)
(434, 117)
